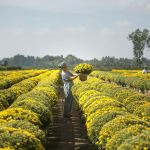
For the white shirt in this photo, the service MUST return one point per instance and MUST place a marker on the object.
(145, 71)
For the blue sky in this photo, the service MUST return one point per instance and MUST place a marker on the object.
(85, 28)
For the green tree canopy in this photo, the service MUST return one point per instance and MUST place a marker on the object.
(140, 40)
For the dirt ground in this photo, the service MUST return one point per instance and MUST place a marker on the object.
(66, 133)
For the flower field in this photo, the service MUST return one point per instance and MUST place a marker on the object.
(26, 109)
(8, 78)
(117, 118)
(130, 78)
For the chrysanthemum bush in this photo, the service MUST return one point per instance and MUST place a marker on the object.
(95, 100)
(101, 108)
(18, 139)
(99, 121)
(117, 124)
(119, 140)
(138, 142)
(143, 112)
(28, 84)
(19, 114)
(17, 76)
(83, 68)
(3, 104)
(27, 126)
(138, 97)
(107, 110)
(86, 95)
(44, 112)
(34, 107)
(131, 107)
(22, 87)
(129, 78)
(122, 96)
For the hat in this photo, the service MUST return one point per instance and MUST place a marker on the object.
(145, 66)
(62, 65)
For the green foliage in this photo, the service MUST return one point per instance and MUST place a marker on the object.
(131, 107)
(43, 112)
(117, 124)
(119, 140)
(122, 96)
(8, 95)
(140, 142)
(140, 40)
(4, 103)
(27, 126)
(137, 97)
(143, 112)
(18, 139)
(99, 121)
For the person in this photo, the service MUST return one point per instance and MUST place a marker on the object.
(145, 71)
(68, 83)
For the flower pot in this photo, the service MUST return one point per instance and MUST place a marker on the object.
(83, 77)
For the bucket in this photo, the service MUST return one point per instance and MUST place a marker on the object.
(83, 77)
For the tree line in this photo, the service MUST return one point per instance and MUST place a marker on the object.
(51, 62)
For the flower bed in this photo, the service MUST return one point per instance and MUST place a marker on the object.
(109, 109)
(21, 123)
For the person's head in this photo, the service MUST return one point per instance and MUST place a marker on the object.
(145, 68)
(66, 68)
(63, 65)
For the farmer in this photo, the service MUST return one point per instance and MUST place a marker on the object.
(145, 71)
(68, 83)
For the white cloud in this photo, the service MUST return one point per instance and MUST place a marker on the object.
(43, 32)
(74, 30)
(121, 28)
(106, 32)
(123, 24)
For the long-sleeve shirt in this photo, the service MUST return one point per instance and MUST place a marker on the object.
(145, 71)
(67, 83)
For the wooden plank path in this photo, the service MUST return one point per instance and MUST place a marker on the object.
(66, 133)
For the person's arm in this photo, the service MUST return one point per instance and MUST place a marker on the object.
(75, 76)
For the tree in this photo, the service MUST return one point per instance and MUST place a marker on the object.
(5, 63)
(140, 40)
(17, 60)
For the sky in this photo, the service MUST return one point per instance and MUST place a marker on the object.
(87, 29)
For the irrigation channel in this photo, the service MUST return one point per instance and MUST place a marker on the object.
(67, 133)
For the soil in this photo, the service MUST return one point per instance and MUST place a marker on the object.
(66, 133)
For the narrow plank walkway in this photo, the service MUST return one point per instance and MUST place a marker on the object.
(66, 133)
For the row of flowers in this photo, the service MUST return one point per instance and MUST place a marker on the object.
(13, 77)
(133, 73)
(131, 81)
(21, 124)
(117, 118)
(7, 96)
